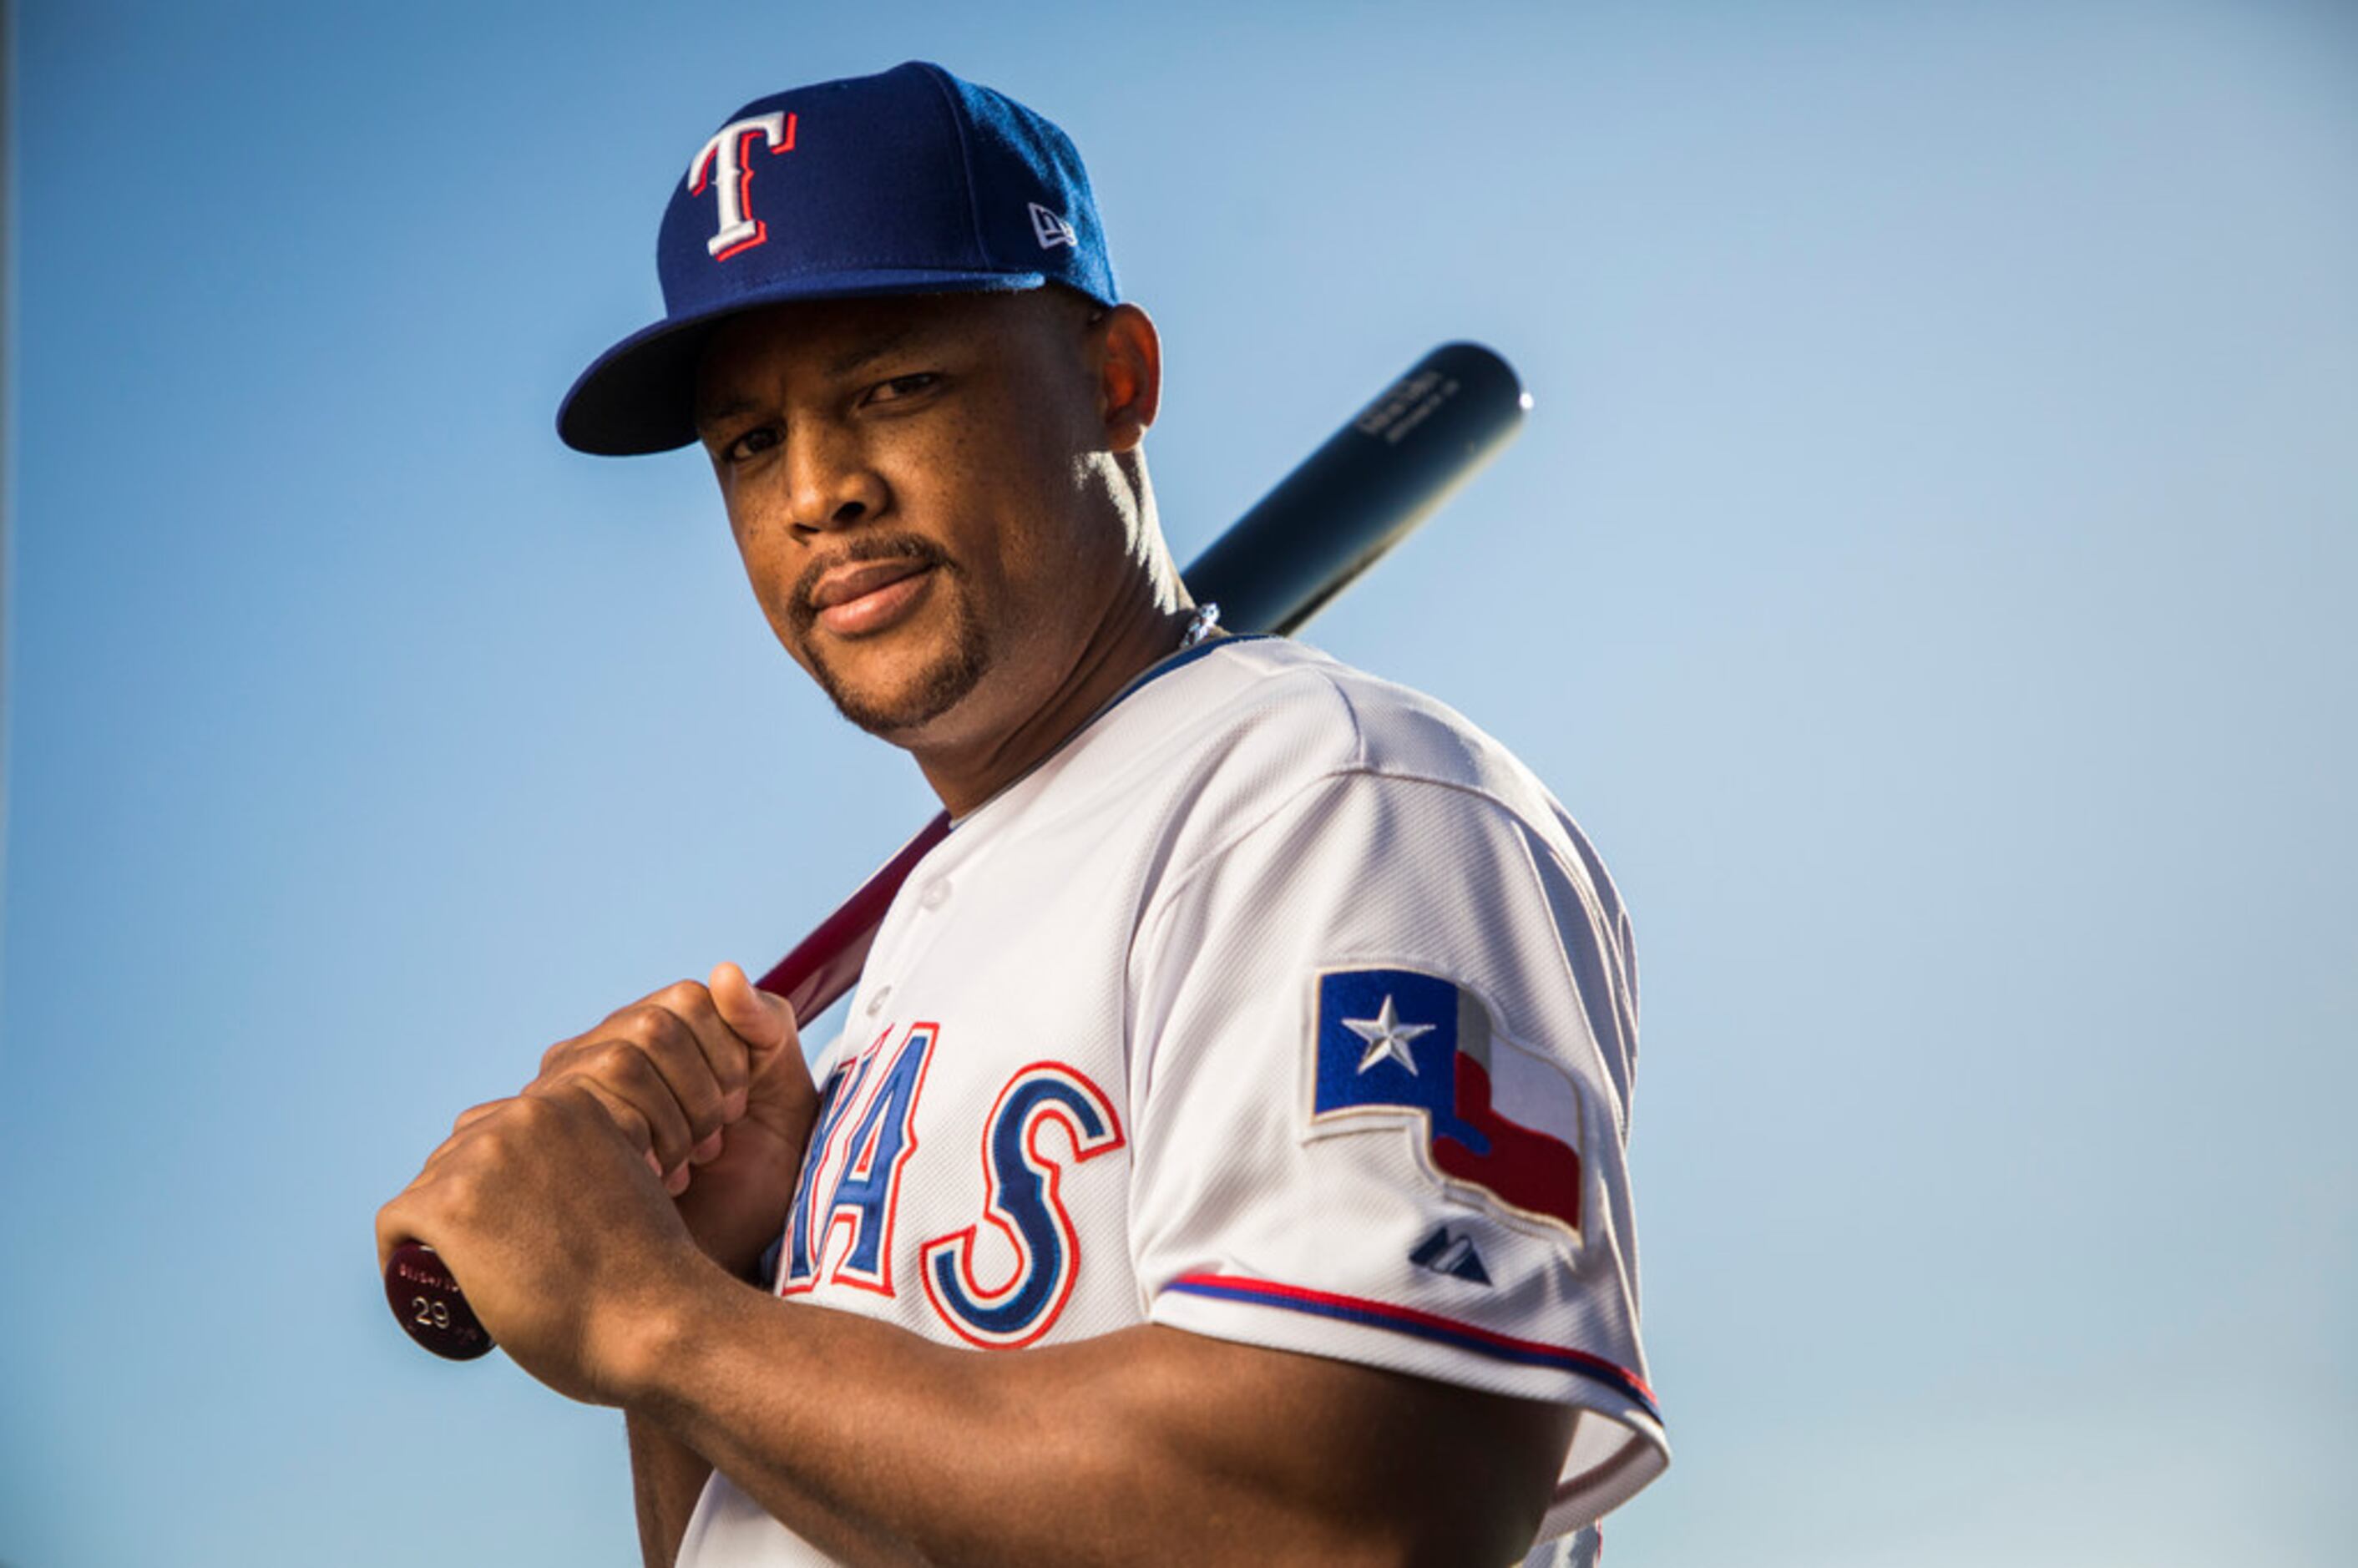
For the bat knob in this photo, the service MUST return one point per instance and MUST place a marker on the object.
(430, 1305)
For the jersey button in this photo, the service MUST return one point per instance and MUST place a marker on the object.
(876, 999)
(936, 893)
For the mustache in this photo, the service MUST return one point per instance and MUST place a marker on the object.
(868, 547)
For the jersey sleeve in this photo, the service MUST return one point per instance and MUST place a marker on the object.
(1381, 1045)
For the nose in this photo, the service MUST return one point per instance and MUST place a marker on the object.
(830, 483)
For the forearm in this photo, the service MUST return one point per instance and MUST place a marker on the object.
(872, 1444)
(879, 1447)
(666, 1478)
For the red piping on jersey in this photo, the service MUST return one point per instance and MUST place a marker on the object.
(1423, 1325)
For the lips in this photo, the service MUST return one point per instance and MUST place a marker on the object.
(862, 596)
(846, 583)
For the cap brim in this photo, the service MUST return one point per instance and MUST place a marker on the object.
(639, 396)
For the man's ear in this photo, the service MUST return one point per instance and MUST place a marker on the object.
(1129, 375)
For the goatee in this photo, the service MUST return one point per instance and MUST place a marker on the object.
(943, 684)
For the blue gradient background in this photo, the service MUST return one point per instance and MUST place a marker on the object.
(1928, 574)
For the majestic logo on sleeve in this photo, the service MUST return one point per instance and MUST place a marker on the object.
(1446, 1252)
(1491, 1119)
(726, 165)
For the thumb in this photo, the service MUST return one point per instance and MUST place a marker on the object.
(763, 1021)
(780, 1096)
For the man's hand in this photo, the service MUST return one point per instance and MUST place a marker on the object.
(709, 1083)
(574, 1211)
(566, 1242)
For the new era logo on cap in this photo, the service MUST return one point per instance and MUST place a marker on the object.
(1053, 230)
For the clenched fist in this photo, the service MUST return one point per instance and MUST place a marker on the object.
(709, 1083)
(664, 1140)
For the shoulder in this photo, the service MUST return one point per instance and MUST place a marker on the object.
(1263, 740)
(1286, 717)
(1260, 741)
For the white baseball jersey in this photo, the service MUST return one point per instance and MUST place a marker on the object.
(1280, 1005)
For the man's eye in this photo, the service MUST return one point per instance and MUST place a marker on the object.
(759, 440)
(902, 387)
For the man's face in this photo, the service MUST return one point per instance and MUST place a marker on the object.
(917, 486)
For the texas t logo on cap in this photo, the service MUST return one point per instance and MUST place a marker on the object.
(731, 150)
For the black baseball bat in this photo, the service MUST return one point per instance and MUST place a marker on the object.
(1362, 492)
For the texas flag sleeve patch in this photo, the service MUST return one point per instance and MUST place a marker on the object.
(1501, 1126)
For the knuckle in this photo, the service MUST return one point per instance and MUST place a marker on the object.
(532, 1113)
(646, 1022)
(614, 1060)
(464, 1196)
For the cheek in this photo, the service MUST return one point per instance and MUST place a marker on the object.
(770, 570)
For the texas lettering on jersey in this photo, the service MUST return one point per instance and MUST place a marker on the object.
(1050, 1115)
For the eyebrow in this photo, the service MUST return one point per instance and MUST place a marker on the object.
(709, 414)
(875, 349)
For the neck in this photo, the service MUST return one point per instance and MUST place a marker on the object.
(1143, 623)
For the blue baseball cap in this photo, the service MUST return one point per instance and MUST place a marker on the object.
(911, 182)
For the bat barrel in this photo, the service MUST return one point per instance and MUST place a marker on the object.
(1369, 483)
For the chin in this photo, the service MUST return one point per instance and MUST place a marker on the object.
(896, 706)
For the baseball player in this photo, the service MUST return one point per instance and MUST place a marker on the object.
(1222, 1158)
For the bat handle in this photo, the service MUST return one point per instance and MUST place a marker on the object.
(431, 1306)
